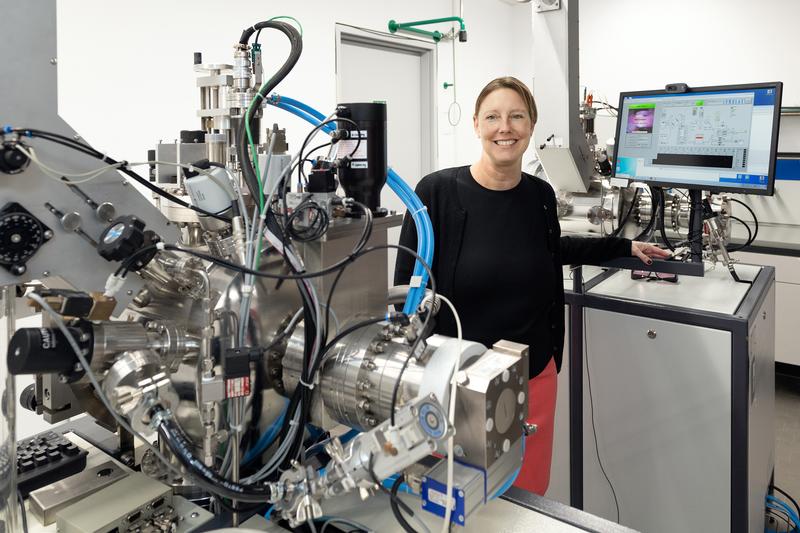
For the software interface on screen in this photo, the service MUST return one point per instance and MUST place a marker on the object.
(705, 140)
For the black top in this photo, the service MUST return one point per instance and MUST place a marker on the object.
(498, 257)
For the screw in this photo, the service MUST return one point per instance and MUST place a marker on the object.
(461, 518)
(77, 137)
(48, 234)
(62, 378)
(129, 292)
(53, 60)
(458, 450)
(77, 367)
(46, 274)
(461, 495)
(651, 333)
(194, 515)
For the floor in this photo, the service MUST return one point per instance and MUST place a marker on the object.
(787, 434)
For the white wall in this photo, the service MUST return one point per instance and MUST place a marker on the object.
(644, 44)
(126, 77)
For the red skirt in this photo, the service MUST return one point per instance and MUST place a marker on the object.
(534, 476)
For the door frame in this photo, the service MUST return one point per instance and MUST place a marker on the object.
(427, 52)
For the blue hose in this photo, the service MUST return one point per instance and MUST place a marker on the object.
(512, 478)
(278, 99)
(327, 128)
(425, 237)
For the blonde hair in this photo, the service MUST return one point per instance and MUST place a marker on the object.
(509, 82)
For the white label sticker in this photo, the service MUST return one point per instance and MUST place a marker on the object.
(359, 164)
(346, 146)
(439, 499)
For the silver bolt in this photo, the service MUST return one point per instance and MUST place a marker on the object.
(46, 274)
(461, 495)
(48, 234)
(129, 292)
(77, 137)
(84, 337)
(458, 450)
(53, 60)
(651, 333)
(194, 515)
(15, 238)
(77, 367)
(461, 518)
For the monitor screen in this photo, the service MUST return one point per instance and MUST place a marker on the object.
(708, 138)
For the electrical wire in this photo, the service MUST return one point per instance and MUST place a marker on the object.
(88, 150)
(787, 495)
(594, 428)
(451, 416)
(23, 512)
(396, 509)
(752, 214)
(749, 234)
(661, 222)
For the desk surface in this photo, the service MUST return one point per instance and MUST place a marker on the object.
(716, 292)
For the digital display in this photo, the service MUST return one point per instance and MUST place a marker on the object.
(711, 139)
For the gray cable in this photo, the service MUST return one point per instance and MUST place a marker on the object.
(93, 379)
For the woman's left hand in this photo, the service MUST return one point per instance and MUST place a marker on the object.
(646, 251)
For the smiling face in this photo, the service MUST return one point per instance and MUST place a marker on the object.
(504, 127)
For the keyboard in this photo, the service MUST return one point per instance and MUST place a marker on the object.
(46, 458)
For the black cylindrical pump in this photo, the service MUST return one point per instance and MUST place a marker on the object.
(365, 174)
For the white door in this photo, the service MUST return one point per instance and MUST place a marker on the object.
(401, 72)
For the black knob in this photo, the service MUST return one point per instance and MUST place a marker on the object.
(121, 238)
(462, 36)
(27, 398)
(198, 58)
(12, 161)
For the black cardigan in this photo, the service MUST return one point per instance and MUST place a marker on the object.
(439, 193)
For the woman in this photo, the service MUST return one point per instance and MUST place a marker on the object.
(499, 255)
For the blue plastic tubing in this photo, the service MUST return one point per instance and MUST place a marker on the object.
(418, 212)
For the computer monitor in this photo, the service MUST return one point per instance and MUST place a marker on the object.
(706, 138)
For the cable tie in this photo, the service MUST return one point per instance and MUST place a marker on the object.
(7, 129)
(306, 385)
(160, 246)
(247, 289)
(423, 208)
(28, 133)
(294, 422)
(416, 281)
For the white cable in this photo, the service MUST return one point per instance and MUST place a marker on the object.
(57, 174)
(451, 417)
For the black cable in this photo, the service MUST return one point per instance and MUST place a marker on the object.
(749, 234)
(88, 150)
(316, 128)
(787, 495)
(594, 428)
(624, 220)
(241, 508)
(181, 447)
(661, 222)
(395, 509)
(374, 478)
(752, 214)
(242, 146)
(653, 213)
(23, 512)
